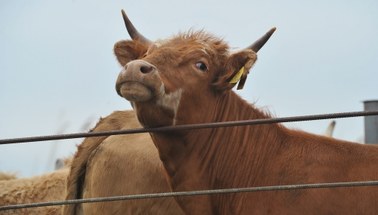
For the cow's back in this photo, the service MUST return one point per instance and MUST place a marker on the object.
(43, 188)
(118, 165)
(123, 165)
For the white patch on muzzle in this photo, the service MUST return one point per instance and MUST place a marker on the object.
(170, 101)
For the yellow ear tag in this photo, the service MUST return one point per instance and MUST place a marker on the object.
(237, 77)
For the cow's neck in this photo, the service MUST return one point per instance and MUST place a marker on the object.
(243, 151)
(212, 153)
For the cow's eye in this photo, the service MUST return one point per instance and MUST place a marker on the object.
(201, 66)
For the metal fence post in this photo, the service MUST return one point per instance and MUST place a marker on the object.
(371, 122)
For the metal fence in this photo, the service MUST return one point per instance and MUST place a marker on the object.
(198, 192)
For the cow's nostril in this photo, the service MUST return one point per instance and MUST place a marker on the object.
(146, 69)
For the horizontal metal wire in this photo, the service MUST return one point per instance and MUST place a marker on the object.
(195, 193)
(199, 192)
(191, 126)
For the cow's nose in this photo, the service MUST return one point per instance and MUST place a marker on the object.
(140, 66)
(138, 81)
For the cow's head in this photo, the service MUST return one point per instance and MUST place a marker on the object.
(173, 81)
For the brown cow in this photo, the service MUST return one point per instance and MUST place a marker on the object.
(188, 79)
(118, 165)
(7, 176)
(43, 188)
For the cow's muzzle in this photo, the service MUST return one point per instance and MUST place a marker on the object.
(139, 81)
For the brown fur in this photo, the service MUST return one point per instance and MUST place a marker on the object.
(7, 176)
(118, 165)
(43, 188)
(243, 156)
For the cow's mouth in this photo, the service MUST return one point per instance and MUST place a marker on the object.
(134, 91)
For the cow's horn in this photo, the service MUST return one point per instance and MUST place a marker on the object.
(134, 34)
(256, 46)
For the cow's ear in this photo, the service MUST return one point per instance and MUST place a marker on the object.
(127, 50)
(235, 70)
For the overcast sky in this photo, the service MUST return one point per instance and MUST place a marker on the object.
(58, 69)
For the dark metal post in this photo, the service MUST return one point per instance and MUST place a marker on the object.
(371, 122)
